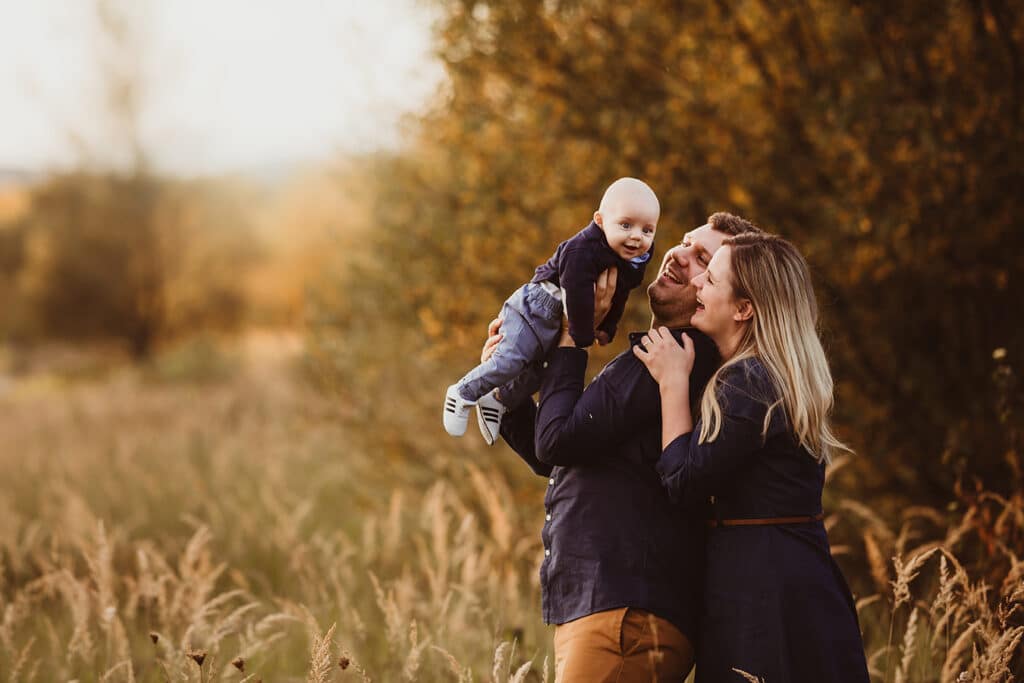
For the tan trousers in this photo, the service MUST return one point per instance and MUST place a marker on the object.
(621, 646)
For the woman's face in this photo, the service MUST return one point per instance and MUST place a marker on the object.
(718, 312)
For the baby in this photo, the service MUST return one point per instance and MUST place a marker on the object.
(621, 235)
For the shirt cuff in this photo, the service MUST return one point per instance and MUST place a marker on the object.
(567, 360)
(673, 458)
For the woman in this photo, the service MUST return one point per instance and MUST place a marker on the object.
(775, 605)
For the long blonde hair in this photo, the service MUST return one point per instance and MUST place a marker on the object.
(770, 272)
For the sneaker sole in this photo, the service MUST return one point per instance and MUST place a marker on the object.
(484, 418)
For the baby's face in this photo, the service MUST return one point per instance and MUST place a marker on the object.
(629, 227)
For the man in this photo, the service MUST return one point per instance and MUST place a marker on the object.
(621, 575)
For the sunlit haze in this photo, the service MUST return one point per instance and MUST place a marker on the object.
(228, 85)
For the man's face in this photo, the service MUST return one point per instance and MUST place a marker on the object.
(673, 297)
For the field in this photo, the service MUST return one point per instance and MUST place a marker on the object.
(211, 517)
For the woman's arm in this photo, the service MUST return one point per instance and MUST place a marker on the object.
(692, 471)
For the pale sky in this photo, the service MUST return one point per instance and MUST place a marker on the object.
(229, 84)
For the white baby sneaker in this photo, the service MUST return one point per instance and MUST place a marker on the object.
(489, 411)
(456, 411)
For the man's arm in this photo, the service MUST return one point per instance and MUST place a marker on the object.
(558, 441)
(517, 428)
(574, 423)
(560, 391)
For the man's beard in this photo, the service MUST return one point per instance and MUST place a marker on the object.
(673, 308)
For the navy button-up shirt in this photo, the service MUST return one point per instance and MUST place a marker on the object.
(612, 538)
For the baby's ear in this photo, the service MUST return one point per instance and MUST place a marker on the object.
(598, 219)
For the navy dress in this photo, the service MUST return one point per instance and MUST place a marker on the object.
(775, 604)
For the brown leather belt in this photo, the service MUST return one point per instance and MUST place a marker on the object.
(766, 521)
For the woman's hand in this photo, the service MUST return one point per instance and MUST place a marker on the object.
(494, 337)
(668, 362)
(604, 290)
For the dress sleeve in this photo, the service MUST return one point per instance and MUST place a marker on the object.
(691, 471)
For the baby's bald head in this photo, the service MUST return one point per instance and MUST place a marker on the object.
(631, 191)
(629, 215)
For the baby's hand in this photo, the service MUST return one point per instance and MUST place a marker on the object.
(602, 337)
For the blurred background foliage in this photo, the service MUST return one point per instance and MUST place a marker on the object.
(885, 140)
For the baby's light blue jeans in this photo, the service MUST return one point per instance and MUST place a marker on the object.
(531, 325)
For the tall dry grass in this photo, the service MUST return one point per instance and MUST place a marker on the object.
(946, 596)
(143, 519)
(241, 527)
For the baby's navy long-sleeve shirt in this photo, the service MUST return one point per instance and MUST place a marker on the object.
(575, 266)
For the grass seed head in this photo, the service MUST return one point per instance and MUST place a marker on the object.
(238, 663)
(197, 656)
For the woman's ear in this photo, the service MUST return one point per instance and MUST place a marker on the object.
(744, 311)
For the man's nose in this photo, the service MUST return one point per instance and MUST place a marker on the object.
(679, 256)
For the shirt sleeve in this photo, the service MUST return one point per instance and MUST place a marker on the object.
(560, 392)
(577, 278)
(575, 425)
(692, 471)
(517, 429)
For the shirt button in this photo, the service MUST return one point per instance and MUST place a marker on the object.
(551, 481)
(545, 364)
(547, 552)
(548, 517)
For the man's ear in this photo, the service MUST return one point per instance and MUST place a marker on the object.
(744, 311)
(598, 219)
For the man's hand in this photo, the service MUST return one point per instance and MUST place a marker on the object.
(494, 337)
(604, 289)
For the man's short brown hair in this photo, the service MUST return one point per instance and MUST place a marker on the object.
(730, 224)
